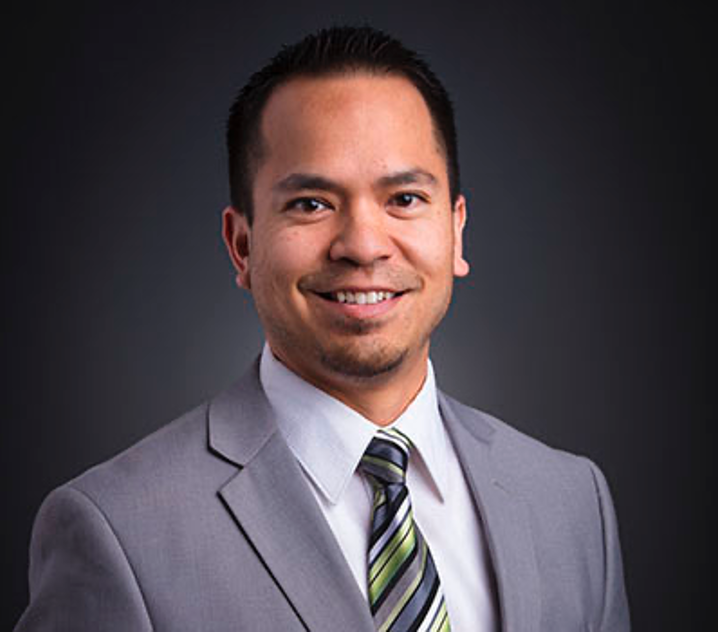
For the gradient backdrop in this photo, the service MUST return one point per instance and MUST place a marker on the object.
(583, 135)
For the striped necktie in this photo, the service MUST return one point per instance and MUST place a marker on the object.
(404, 589)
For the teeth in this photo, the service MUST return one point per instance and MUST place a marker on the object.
(362, 298)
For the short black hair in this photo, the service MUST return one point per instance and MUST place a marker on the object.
(335, 50)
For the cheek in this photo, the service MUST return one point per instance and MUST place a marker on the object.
(428, 248)
(282, 259)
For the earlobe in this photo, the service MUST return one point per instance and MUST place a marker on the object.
(461, 266)
(236, 232)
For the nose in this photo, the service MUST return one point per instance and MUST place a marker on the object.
(362, 236)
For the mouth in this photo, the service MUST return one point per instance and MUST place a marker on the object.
(356, 297)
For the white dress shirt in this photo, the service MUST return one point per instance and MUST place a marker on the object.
(328, 439)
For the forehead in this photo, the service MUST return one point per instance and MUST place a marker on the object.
(349, 123)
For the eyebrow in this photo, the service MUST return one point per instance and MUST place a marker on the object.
(303, 181)
(411, 176)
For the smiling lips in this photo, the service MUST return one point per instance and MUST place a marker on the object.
(361, 304)
(361, 296)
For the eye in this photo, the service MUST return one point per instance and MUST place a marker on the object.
(407, 200)
(307, 205)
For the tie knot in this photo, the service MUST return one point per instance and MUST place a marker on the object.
(387, 456)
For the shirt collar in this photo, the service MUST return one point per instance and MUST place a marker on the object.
(328, 438)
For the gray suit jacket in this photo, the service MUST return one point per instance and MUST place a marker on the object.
(209, 525)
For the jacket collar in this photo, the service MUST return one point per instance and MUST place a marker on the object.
(277, 512)
(479, 442)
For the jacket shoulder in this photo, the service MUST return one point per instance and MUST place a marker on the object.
(570, 512)
(530, 463)
(163, 454)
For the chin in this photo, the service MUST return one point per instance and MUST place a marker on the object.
(363, 363)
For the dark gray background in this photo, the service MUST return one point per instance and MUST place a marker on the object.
(583, 134)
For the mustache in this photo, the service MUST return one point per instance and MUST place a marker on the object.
(384, 277)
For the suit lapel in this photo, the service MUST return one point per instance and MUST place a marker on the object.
(503, 513)
(275, 509)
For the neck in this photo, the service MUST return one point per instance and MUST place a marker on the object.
(381, 399)
(381, 403)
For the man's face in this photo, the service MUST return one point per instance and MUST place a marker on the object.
(354, 243)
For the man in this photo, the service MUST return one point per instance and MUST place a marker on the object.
(334, 487)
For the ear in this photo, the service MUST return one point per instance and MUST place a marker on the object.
(458, 217)
(236, 234)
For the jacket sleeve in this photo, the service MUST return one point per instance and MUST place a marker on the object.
(614, 616)
(80, 577)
